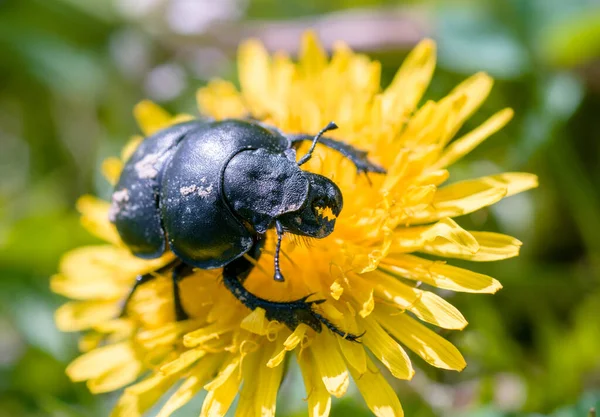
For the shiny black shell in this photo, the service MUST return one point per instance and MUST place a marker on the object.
(171, 190)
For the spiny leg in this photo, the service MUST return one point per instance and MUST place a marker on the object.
(179, 271)
(142, 279)
(357, 156)
(290, 313)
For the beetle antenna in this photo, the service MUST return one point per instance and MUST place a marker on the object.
(305, 158)
(279, 228)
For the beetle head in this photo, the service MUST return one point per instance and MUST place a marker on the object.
(316, 217)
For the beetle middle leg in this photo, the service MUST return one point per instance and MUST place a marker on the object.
(142, 279)
(179, 270)
(290, 313)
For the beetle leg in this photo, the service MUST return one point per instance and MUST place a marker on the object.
(290, 313)
(180, 272)
(357, 156)
(142, 279)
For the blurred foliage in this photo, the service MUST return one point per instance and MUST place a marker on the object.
(71, 71)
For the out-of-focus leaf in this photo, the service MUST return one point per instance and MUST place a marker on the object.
(35, 243)
(99, 9)
(470, 39)
(574, 41)
(559, 96)
(39, 373)
(33, 315)
(60, 65)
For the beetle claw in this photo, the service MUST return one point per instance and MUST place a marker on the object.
(293, 313)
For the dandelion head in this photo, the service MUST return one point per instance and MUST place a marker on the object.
(370, 271)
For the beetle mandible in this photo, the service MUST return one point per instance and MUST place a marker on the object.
(210, 190)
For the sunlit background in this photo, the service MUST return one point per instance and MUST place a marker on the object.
(71, 71)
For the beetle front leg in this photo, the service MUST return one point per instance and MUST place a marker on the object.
(290, 313)
(357, 156)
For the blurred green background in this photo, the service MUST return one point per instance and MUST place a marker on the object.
(71, 71)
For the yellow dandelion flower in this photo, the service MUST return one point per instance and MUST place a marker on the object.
(367, 270)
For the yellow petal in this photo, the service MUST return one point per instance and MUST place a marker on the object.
(425, 305)
(222, 390)
(130, 147)
(439, 274)
(184, 360)
(471, 140)
(290, 344)
(94, 217)
(191, 386)
(411, 80)
(319, 400)
(255, 322)
(255, 75)
(267, 383)
(472, 92)
(79, 315)
(435, 310)
(90, 341)
(336, 290)
(115, 378)
(228, 368)
(181, 118)
(412, 239)
(99, 361)
(168, 333)
(205, 334)
(418, 125)
(396, 171)
(283, 71)
(111, 169)
(492, 247)
(431, 125)
(468, 196)
(87, 290)
(312, 58)
(329, 364)
(387, 350)
(354, 353)
(433, 178)
(247, 398)
(151, 117)
(220, 99)
(138, 398)
(106, 262)
(433, 348)
(364, 259)
(379, 396)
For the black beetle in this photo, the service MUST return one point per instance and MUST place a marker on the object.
(210, 190)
